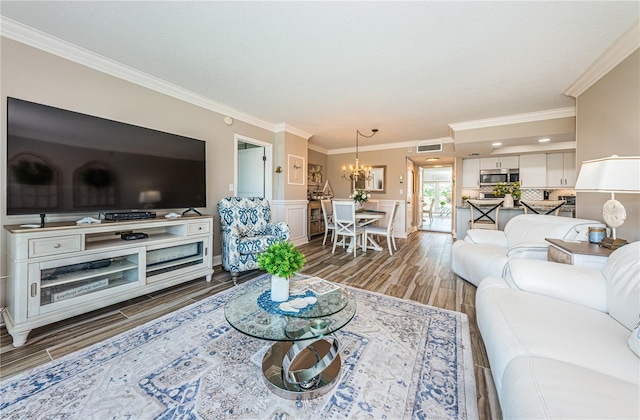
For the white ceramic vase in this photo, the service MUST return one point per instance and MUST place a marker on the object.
(279, 289)
(508, 201)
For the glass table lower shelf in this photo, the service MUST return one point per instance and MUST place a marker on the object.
(304, 362)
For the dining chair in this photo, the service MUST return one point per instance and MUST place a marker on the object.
(430, 211)
(484, 219)
(371, 205)
(543, 206)
(387, 231)
(344, 219)
(327, 214)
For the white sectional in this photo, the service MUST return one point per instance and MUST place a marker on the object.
(559, 338)
(485, 253)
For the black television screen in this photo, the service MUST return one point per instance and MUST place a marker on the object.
(60, 161)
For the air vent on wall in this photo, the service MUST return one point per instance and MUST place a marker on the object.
(427, 148)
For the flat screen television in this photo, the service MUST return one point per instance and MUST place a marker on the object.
(60, 161)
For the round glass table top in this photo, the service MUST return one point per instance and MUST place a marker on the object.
(250, 310)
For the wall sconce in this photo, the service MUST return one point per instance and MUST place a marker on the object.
(279, 170)
(401, 179)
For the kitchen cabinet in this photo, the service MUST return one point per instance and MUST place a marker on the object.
(470, 173)
(502, 162)
(561, 170)
(533, 170)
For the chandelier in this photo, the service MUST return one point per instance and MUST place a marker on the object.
(359, 172)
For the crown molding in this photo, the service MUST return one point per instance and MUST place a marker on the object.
(278, 128)
(549, 114)
(29, 36)
(317, 148)
(622, 48)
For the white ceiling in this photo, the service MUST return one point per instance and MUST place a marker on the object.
(329, 68)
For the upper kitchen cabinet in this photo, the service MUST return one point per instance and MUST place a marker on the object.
(502, 162)
(533, 170)
(470, 173)
(561, 170)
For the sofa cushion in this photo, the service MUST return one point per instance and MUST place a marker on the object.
(516, 323)
(622, 271)
(537, 388)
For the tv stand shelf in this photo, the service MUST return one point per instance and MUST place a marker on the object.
(64, 269)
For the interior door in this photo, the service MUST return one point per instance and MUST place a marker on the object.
(251, 172)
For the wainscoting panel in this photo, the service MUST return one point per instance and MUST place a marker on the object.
(399, 226)
(293, 213)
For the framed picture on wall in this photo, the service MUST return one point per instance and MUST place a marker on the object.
(296, 166)
(314, 174)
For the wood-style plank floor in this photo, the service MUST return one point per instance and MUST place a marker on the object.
(418, 271)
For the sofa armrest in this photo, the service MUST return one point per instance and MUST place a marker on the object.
(573, 284)
(487, 237)
(529, 250)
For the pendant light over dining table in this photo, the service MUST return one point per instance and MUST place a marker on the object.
(359, 172)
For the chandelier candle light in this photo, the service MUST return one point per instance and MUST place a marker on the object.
(358, 172)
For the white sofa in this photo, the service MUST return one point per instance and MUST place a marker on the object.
(485, 253)
(560, 342)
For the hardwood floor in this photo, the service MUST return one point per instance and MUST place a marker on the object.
(419, 271)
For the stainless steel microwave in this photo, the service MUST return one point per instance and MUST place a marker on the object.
(495, 176)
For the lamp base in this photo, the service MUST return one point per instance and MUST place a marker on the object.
(611, 243)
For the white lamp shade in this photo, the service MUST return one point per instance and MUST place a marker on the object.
(614, 174)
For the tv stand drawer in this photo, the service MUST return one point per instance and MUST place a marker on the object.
(53, 246)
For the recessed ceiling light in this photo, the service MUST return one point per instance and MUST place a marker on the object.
(496, 144)
(547, 140)
(432, 159)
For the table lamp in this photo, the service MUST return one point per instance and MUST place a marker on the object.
(614, 174)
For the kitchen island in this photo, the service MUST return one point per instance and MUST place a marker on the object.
(463, 216)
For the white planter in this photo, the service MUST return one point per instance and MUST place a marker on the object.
(279, 289)
(508, 201)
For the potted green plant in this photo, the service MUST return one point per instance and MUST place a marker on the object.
(360, 196)
(508, 191)
(282, 260)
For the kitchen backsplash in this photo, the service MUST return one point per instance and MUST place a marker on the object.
(527, 193)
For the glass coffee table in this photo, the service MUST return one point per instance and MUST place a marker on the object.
(304, 362)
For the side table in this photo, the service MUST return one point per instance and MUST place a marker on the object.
(579, 253)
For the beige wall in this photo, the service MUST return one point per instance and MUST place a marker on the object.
(608, 123)
(394, 159)
(31, 74)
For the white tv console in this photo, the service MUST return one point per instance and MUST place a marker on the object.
(64, 269)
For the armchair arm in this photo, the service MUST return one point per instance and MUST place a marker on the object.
(579, 285)
(230, 244)
(487, 237)
(279, 229)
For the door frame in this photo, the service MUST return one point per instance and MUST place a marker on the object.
(268, 167)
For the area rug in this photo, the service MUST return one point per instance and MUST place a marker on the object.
(401, 359)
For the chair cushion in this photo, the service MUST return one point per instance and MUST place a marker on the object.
(255, 244)
(622, 271)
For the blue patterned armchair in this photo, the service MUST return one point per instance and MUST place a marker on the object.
(247, 230)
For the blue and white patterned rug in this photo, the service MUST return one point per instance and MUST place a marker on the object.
(400, 360)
